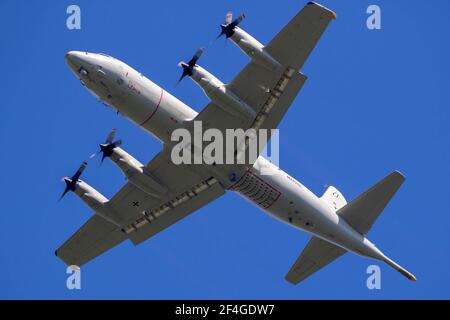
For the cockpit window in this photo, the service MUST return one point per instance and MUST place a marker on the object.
(83, 71)
(105, 55)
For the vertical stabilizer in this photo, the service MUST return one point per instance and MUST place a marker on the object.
(334, 198)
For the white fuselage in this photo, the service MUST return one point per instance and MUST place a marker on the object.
(159, 113)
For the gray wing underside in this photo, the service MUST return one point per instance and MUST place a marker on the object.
(95, 237)
(295, 42)
(257, 86)
(316, 255)
(187, 192)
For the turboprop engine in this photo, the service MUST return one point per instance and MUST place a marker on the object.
(249, 45)
(94, 199)
(130, 167)
(214, 89)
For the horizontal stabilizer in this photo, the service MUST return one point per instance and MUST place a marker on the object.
(316, 255)
(362, 212)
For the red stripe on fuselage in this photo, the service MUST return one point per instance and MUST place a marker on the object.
(154, 111)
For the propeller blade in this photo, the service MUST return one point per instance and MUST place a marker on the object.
(228, 17)
(228, 27)
(196, 56)
(103, 158)
(111, 136)
(68, 187)
(107, 148)
(238, 20)
(64, 193)
(71, 183)
(117, 143)
(184, 74)
(77, 174)
(221, 33)
(188, 68)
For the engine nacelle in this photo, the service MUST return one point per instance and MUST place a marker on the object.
(97, 202)
(134, 172)
(218, 92)
(89, 195)
(255, 50)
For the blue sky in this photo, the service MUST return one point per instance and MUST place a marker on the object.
(375, 101)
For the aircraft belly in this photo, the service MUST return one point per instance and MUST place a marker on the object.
(288, 201)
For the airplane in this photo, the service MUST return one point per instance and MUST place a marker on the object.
(160, 193)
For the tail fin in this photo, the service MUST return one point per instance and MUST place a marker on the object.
(362, 212)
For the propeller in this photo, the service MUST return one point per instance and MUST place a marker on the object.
(71, 183)
(188, 68)
(228, 27)
(107, 148)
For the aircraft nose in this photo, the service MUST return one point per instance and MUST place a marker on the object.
(75, 57)
(69, 55)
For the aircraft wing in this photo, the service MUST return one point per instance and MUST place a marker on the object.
(293, 45)
(316, 255)
(146, 215)
(270, 93)
(95, 237)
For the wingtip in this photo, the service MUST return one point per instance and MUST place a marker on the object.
(333, 14)
(290, 279)
(399, 174)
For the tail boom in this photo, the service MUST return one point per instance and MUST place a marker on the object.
(400, 269)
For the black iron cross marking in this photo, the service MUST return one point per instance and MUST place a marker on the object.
(135, 203)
